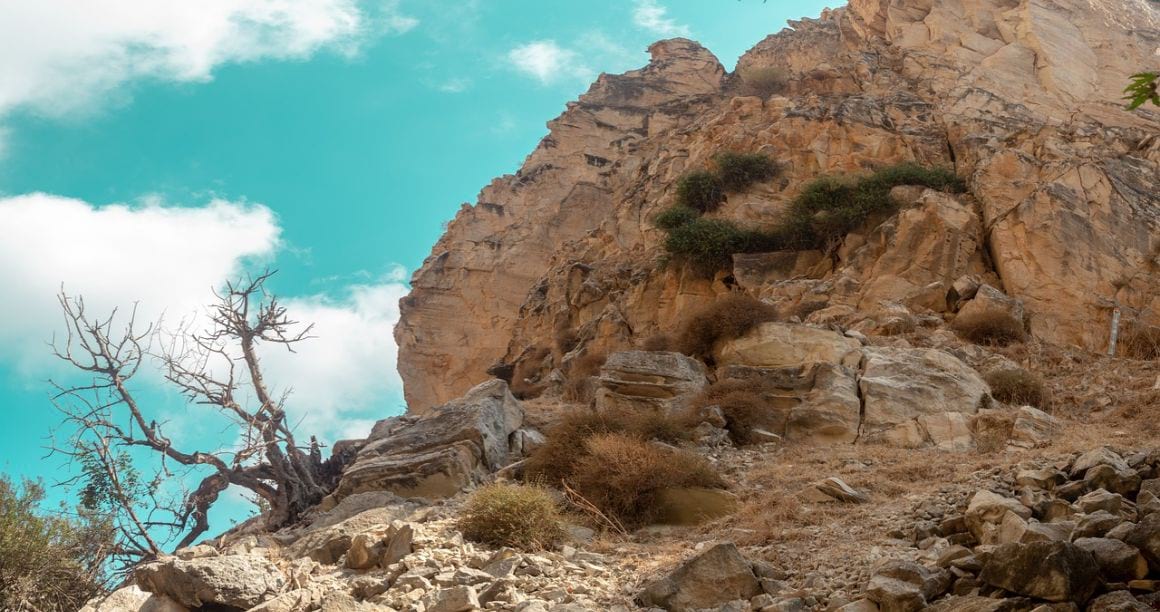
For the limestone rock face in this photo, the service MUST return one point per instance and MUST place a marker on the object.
(900, 385)
(1020, 97)
(647, 380)
(778, 345)
(438, 453)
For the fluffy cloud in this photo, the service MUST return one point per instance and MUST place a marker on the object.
(344, 378)
(653, 17)
(63, 56)
(167, 259)
(548, 62)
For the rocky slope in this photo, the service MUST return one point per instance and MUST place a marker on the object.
(1020, 97)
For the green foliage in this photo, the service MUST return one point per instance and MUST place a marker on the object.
(1143, 89)
(520, 516)
(48, 562)
(700, 190)
(830, 207)
(675, 217)
(98, 491)
(738, 171)
(825, 211)
(708, 244)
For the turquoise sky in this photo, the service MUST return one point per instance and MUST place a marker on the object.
(352, 134)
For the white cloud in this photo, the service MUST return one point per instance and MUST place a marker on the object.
(344, 378)
(168, 259)
(454, 85)
(61, 57)
(652, 16)
(548, 62)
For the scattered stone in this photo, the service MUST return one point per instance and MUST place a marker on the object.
(1055, 571)
(834, 489)
(238, 581)
(453, 599)
(716, 576)
(1119, 562)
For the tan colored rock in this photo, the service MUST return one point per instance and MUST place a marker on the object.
(711, 578)
(1034, 428)
(899, 385)
(438, 453)
(1022, 99)
(132, 599)
(948, 431)
(694, 505)
(780, 345)
(648, 380)
(237, 581)
(830, 412)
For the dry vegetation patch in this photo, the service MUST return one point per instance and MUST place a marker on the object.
(1017, 387)
(990, 329)
(623, 475)
(520, 516)
(730, 316)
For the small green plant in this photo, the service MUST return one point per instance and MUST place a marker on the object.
(707, 244)
(1143, 89)
(739, 171)
(516, 515)
(1017, 387)
(672, 218)
(700, 190)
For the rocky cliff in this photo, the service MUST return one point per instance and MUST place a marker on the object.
(1020, 97)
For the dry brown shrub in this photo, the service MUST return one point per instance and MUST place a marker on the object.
(1140, 342)
(578, 385)
(765, 81)
(729, 317)
(746, 406)
(991, 329)
(566, 441)
(659, 342)
(623, 475)
(520, 516)
(1017, 387)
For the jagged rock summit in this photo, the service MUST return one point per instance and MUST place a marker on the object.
(1020, 97)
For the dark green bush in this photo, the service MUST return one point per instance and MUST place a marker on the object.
(700, 190)
(738, 171)
(829, 207)
(675, 217)
(825, 211)
(707, 244)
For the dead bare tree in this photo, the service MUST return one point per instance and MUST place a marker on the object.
(218, 368)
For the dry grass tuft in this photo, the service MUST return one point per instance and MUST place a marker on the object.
(623, 475)
(554, 460)
(729, 317)
(745, 408)
(1017, 387)
(1140, 342)
(990, 329)
(520, 516)
(578, 386)
(659, 342)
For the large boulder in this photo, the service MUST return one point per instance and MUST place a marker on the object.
(991, 305)
(649, 380)
(713, 577)
(235, 581)
(1146, 537)
(905, 586)
(781, 345)
(132, 599)
(1055, 571)
(439, 452)
(830, 412)
(900, 385)
(1119, 562)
